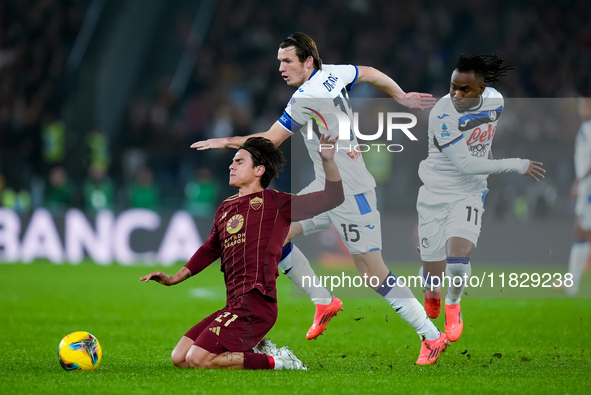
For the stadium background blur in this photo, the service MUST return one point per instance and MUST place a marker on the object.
(100, 100)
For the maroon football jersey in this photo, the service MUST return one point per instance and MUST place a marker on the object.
(248, 234)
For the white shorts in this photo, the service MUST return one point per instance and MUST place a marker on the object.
(442, 216)
(583, 205)
(357, 220)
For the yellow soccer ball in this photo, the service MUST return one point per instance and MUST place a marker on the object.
(79, 351)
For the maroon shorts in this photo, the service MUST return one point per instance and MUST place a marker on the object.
(238, 327)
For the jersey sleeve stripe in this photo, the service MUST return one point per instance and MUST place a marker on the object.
(441, 147)
(350, 86)
(288, 123)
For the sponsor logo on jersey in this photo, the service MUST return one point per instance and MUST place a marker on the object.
(235, 239)
(480, 136)
(235, 223)
(442, 116)
(318, 118)
(470, 121)
(479, 150)
(223, 216)
(444, 132)
(215, 330)
(370, 226)
(256, 203)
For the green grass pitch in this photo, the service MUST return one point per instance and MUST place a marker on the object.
(526, 345)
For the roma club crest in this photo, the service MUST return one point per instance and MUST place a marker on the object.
(256, 203)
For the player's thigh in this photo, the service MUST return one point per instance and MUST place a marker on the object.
(465, 221)
(240, 325)
(358, 222)
(179, 353)
(197, 329)
(433, 212)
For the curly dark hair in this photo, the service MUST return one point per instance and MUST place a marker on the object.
(488, 67)
(304, 46)
(265, 153)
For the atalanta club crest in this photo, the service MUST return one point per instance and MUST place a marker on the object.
(235, 223)
(425, 242)
(256, 203)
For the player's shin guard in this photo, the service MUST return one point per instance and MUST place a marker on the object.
(576, 263)
(297, 268)
(459, 271)
(430, 281)
(408, 307)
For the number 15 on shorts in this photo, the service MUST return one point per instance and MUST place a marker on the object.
(350, 233)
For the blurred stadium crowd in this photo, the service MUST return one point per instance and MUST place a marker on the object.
(57, 152)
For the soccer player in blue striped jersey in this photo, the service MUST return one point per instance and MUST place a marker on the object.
(451, 201)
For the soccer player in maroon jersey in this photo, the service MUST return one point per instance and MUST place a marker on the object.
(248, 234)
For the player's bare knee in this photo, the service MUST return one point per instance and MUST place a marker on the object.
(178, 359)
(197, 363)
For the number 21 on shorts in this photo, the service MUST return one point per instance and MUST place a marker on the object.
(225, 315)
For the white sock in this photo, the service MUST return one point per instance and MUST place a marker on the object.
(297, 268)
(458, 270)
(430, 284)
(278, 364)
(408, 307)
(576, 263)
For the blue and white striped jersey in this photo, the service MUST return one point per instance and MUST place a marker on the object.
(459, 146)
(317, 105)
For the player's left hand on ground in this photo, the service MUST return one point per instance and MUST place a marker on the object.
(327, 147)
(417, 101)
(535, 170)
(159, 277)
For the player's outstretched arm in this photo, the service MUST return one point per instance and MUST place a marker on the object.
(277, 134)
(535, 170)
(165, 279)
(314, 203)
(379, 80)
(326, 149)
